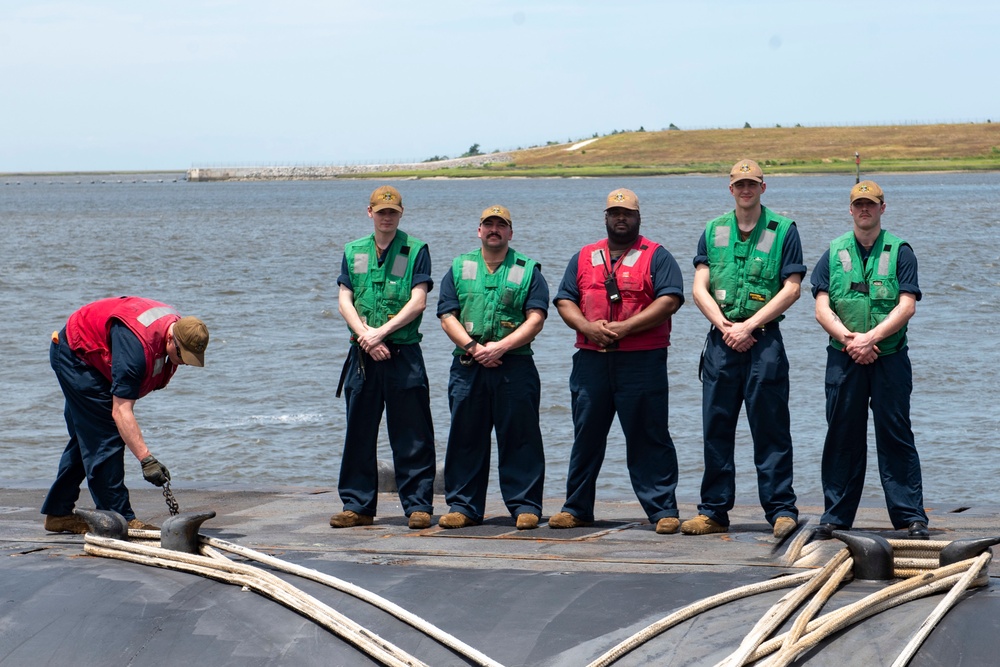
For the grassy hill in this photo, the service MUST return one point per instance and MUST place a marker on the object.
(970, 146)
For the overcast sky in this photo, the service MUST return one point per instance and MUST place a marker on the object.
(149, 84)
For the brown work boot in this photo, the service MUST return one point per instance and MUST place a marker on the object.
(420, 520)
(702, 525)
(567, 520)
(69, 523)
(527, 521)
(349, 519)
(668, 525)
(456, 520)
(137, 524)
(784, 526)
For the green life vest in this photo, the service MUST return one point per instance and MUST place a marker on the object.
(745, 275)
(381, 291)
(862, 294)
(492, 304)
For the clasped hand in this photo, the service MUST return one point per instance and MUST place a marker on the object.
(861, 347)
(488, 354)
(738, 335)
(371, 342)
(602, 332)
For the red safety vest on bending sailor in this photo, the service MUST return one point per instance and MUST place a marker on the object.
(634, 278)
(89, 328)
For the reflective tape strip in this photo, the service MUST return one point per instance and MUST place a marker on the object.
(361, 263)
(469, 326)
(153, 314)
(470, 269)
(883, 263)
(158, 366)
(845, 260)
(722, 236)
(399, 265)
(720, 295)
(632, 257)
(597, 258)
(516, 275)
(766, 241)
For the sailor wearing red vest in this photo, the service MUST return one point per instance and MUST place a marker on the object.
(618, 295)
(111, 353)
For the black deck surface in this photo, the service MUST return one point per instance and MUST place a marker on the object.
(542, 597)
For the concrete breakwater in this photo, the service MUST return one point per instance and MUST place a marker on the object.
(301, 173)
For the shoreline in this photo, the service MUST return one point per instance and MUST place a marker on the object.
(957, 147)
(182, 176)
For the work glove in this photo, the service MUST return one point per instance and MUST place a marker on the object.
(154, 472)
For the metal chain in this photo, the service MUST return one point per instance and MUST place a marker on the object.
(171, 501)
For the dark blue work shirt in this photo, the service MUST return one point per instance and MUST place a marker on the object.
(666, 278)
(421, 270)
(791, 254)
(538, 293)
(128, 362)
(906, 271)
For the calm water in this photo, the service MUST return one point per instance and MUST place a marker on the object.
(259, 262)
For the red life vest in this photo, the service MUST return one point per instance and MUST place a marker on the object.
(88, 330)
(635, 284)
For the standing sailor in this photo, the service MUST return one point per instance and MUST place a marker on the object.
(384, 281)
(618, 294)
(748, 272)
(866, 292)
(493, 304)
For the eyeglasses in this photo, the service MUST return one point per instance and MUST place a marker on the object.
(177, 351)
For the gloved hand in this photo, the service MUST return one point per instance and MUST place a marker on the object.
(154, 472)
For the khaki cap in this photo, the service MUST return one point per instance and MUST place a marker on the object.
(746, 170)
(622, 198)
(191, 337)
(867, 190)
(386, 196)
(496, 211)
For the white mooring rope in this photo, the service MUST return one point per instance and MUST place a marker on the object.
(915, 559)
(215, 565)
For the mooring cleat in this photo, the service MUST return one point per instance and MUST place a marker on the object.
(966, 548)
(105, 523)
(180, 532)
(872, 555)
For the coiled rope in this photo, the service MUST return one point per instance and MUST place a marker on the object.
(215, 565)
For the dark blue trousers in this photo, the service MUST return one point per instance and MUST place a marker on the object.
(886, 384)
(95, 451)
(399, 386)
(758, 378)
(633, 385)
(507, 398)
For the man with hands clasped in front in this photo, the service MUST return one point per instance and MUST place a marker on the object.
(493, 303)
(866, 291)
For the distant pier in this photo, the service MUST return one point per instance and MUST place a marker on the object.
(305, 173)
